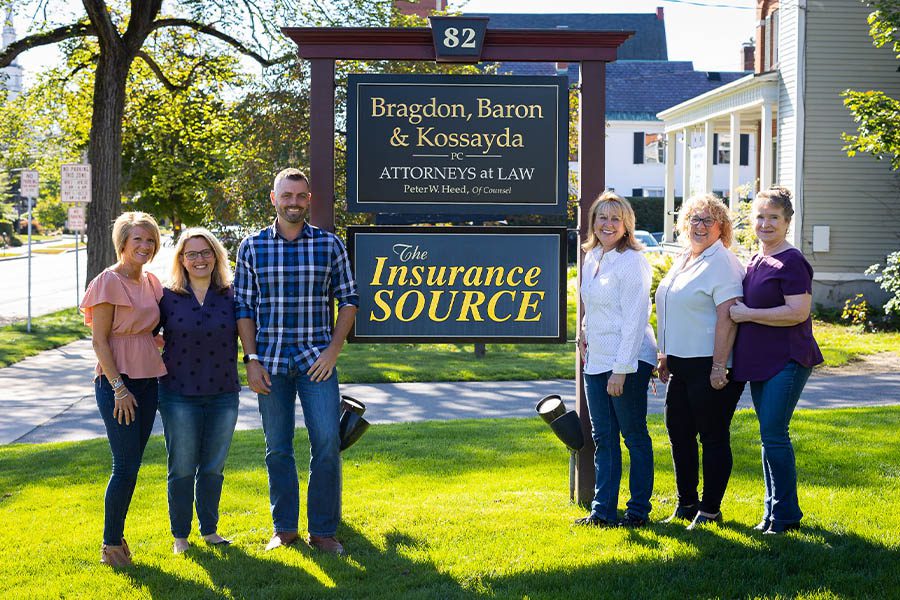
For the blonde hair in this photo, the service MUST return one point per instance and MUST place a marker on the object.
(125, 223)
(716, 209)
(220, 278)
(614, 204)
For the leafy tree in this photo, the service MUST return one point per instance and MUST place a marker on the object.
(122, 30)
(875, 112)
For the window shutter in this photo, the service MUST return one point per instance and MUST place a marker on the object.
(637, 192)
(715, 148)
(638, 147)
(745, 149)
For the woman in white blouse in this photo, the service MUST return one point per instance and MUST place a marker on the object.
(619, 352)
(696, 334)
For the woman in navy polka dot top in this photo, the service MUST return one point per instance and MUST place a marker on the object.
(198, 398)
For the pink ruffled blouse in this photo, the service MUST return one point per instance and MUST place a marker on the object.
(136, 315)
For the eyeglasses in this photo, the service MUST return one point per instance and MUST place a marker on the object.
(707, 222)
(192, 255)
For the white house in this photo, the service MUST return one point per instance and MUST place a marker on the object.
(847, 209)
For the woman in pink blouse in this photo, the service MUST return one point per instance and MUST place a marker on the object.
(121, 307)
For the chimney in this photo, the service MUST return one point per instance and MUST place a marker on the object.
(659, 13)
(748, 50)
(421, 8)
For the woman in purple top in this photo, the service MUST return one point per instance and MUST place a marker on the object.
(198, 398)
(775, 350)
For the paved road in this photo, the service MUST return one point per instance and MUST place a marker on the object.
(50, 398)
(52, 281)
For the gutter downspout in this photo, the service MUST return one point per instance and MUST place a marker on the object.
(800, 116)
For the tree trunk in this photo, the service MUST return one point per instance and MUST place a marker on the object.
(105, 156)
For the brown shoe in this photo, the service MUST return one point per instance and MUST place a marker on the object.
(329, 545)
(114, 556)
(282, 538)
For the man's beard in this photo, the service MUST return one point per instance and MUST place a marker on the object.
(297, 217)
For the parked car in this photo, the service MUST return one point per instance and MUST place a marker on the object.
(651, 246)
(657, 235)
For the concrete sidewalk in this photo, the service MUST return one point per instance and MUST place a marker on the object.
(49, 398)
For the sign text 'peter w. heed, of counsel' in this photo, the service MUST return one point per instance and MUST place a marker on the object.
(457, 144)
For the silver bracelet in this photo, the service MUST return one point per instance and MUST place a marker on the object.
(116, 382)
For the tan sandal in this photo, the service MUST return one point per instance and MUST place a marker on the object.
(114, 556)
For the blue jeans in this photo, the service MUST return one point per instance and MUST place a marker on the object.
(321, 412)
(609, 416)
(774, 401)
(198, 433)
(127, 443)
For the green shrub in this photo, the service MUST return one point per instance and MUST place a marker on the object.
(888, 277)
(649, 212)
(51, 213)
(660, 263)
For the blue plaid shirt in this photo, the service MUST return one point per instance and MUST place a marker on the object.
(284, 287)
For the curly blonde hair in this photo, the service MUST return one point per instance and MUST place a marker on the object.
(613, 204)
(716, 209)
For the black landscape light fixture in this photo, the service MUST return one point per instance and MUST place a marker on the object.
(567, 427)
(353, 426)
(564, 424)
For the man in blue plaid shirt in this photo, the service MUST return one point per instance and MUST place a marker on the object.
(283, 279)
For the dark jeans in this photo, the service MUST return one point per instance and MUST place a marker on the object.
(321, 403)
(774, 401)
(127, 443)
(625, 414)
(198, 433)
(694, 407)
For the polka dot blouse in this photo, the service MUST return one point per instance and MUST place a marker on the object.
(200, 349)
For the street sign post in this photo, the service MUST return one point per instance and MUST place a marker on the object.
(75, 187)
(75, 184)
(28, 187)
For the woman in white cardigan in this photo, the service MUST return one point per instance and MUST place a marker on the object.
(619, 352)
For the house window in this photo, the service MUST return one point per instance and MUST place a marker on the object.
(649, 148)
(773, 57)
(653, 192)
(723, 149)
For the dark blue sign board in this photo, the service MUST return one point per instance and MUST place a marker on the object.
(473, 144)
(459, 284)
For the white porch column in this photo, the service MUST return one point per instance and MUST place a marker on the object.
(765, 149)
(708, 169)
(686, 159)
(669, 202)
(734, 167)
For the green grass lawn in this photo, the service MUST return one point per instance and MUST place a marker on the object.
(468, 509)
(47, 332)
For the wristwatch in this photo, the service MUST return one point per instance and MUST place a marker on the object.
(249, 357)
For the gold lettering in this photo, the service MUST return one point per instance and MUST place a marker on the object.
(401, 302)
(531, 277)
(492, 305)
(384, 306)
(527, 303)
(468, 306)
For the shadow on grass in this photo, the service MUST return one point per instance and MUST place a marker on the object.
(300, 572)
(722, 562)
(726, 562)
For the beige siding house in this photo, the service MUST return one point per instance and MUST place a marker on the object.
(848, 209)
